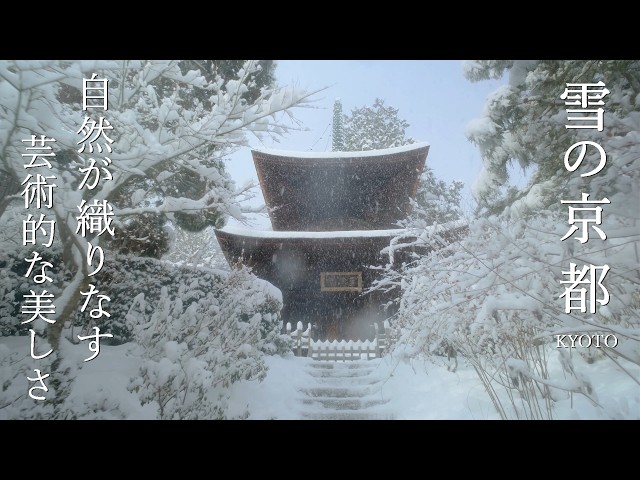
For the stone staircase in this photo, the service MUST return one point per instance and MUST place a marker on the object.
(344, 391)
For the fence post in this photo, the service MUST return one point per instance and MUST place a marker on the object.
(299, 335)
(386, 330)
(378, 352)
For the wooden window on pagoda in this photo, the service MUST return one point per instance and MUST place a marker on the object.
(341, 281)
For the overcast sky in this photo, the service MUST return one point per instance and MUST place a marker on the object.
(432, 95)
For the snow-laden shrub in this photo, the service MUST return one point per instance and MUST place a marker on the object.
(122, 278)
(14, 285)
(194, 350)
(494, 297)
(200, 332)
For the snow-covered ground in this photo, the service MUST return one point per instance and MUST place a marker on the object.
(426, 390)
(412, 390)
(300, 388)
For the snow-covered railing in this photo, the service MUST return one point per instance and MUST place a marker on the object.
(343, 350)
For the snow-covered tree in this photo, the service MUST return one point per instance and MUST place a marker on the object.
(337, 135)
(180, 180)
(159, 117)
(196, 248)
(495, 296)
(373, 127)
(524, 124)
(437, 202)
(156, 122)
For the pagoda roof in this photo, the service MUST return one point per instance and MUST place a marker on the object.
(330, 251)
(367, 190)
(273, 255)
(382, 154)
(286, 235)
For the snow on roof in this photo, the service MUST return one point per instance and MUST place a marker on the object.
(357, 154)
(246, 232)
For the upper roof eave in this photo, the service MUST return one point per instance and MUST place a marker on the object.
(386, 152)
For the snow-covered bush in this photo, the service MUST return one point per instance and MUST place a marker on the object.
(217, 330)
(493, 297)
(123, 278)
(199, 343)
(200, 331)
(14, 285)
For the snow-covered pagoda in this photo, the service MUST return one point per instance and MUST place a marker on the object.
(332, 213)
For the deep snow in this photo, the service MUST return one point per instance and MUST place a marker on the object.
(410, 389)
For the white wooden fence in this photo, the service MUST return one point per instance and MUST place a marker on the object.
(305, 346)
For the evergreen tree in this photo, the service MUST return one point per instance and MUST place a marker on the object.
(524, 124)
(437, 201)
(375, 127)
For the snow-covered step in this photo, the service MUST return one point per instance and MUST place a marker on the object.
(343, 391)
(348, 415)
(341, 403)
(341, 373)
(347, 381)
(340, 392)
